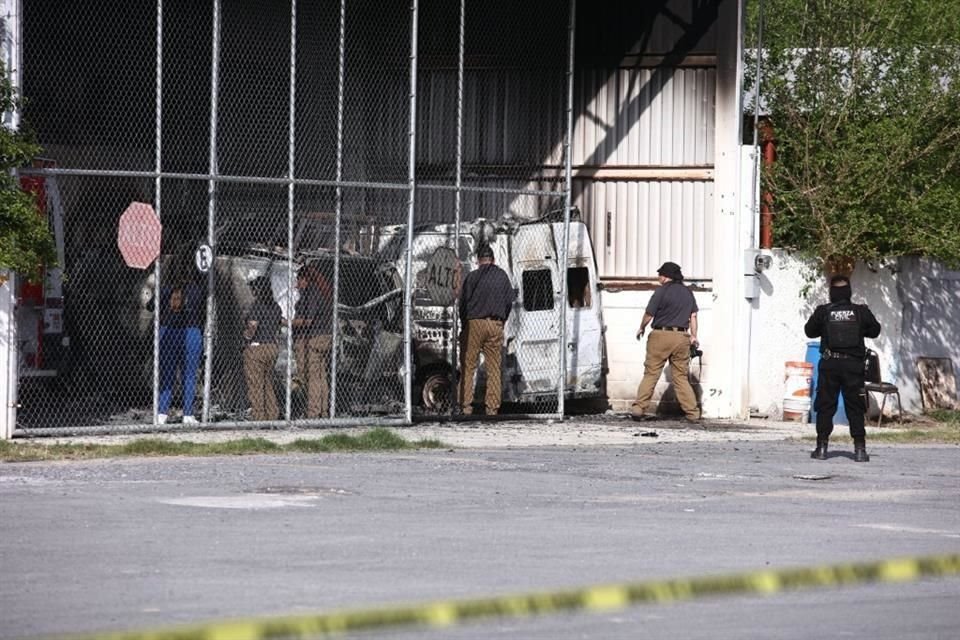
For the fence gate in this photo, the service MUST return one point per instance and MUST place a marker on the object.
(321, 176)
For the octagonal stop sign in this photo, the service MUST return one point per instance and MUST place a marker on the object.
(443, 276)
(138, 235)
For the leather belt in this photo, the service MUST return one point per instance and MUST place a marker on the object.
(670, 328)
(837, 356)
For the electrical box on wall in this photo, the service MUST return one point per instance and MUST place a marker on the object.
(754, 263)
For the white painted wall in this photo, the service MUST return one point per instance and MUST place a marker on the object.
(917, 304)
(8, 355)
(622, 313)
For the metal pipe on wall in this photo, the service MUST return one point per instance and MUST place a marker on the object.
(768, 155)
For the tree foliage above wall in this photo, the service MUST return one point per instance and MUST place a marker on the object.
(864, 101)
(25, 240)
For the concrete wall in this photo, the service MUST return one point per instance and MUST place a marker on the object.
(622, 313)
(8, 355)
(917, 303)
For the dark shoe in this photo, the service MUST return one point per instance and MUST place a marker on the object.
(860, 453)
(643, 417)
(693, 420)
(820, 453)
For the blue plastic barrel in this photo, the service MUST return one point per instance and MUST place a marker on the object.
(813, 356)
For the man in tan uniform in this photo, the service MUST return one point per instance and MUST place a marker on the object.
(673, 311)
(486, 299)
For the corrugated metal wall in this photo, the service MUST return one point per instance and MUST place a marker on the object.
(651, 133)
(636, 225)
(643, 145)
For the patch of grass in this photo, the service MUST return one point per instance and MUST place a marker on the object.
(919, 436)
(940, 426)
(949, 416)
(378, 439)
(937, 427)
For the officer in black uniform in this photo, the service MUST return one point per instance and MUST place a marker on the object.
(841, 327)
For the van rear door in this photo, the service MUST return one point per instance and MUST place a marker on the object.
(537, 312)
(584, 337)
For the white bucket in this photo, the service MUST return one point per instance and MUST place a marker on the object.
(798, 378)
(796, 410)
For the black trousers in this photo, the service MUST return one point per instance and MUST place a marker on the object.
(838, 376)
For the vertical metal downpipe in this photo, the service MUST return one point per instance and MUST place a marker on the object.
(291, 162)
(411, 199)
(458, 184)
(158, 164)
(338, 212)
(211, 211)
(567, 202)
(763, 240)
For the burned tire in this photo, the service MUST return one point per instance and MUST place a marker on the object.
(436, 391)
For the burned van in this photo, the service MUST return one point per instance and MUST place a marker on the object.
(530, 253)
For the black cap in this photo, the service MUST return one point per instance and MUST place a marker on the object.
(671, 270)
(484, 251)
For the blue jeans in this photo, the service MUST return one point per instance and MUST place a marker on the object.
(180, 348)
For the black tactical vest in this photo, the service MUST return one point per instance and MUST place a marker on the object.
(843, 326)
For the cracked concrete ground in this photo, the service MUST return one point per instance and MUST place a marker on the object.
(593, 430)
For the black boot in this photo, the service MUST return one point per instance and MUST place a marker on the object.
(860, 451)
(820, 453)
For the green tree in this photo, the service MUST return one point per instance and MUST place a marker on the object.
(25, 239)
(864, 101)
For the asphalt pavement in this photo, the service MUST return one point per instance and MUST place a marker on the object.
(133, 543)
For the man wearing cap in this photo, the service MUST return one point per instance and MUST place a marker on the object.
(673, 311)
(486, 298)
(841, 326)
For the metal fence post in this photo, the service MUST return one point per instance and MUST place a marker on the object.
(158, 163)
(567, 201)
(291, 192)
(411, 200)
(338, 211)
(211, 211)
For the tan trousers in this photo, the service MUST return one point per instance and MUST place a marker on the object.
(663, 346)
(312, 356)
(258, 363)
(481, 336)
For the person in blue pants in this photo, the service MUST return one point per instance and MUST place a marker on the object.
(181, 345)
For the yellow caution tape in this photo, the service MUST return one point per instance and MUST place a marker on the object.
(594, 598)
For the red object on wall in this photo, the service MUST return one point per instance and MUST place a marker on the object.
(768, 151)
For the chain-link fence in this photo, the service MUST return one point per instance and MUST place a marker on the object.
(325, 175)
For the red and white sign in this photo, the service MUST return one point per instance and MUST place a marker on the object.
(443, 276)
(138, 235)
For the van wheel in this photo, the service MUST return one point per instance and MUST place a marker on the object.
(437, 392)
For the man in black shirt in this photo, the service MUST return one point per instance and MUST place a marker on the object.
(673, 311)
(486, 299)
(841, 327)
